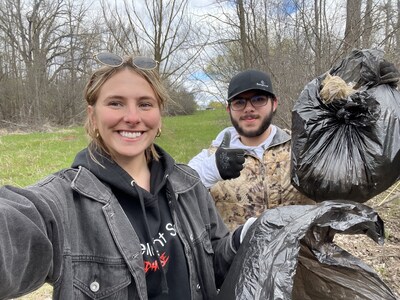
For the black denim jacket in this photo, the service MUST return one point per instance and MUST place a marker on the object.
(70, 231)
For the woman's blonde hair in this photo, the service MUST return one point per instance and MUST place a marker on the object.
(91, 94)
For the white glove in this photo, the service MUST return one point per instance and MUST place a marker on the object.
(246, 227)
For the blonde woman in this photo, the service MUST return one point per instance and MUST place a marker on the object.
(125, 221)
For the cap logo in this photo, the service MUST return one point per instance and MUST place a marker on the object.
(262, 83)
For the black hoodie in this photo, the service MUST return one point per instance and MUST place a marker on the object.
(150, 216)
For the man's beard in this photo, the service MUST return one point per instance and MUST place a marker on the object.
(253, 133)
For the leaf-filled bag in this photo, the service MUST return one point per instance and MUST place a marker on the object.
(288, 254)
(346, 145)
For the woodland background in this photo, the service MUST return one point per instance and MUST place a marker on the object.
(47, 47)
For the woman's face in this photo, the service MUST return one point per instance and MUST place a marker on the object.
(127, 115)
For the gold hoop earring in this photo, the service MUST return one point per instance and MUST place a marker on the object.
(158, 132)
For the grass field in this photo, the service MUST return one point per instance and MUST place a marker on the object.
(28, 157)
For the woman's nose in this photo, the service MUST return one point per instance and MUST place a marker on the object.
(132, 115)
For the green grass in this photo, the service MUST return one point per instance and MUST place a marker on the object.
(26, 158)
(184, 136)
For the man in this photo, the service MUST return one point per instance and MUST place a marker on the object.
(247, 167)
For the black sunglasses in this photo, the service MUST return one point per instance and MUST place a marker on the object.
(114, 60)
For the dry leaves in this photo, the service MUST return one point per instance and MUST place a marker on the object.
(384, 259)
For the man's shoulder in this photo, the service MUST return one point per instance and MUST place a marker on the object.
(282, 136)
(283, 130)
(288, 131)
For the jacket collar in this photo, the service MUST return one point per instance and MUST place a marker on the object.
(281, 136)
(87, 184)
(182, 179)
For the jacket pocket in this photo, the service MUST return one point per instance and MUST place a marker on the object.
(100, 278)
(203, 244)
(207, 245)
(204, 258)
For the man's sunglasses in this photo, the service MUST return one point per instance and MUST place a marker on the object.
(113, 60)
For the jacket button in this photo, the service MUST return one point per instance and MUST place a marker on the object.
(94, 286)
(198, 287)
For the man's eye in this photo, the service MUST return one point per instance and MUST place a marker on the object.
(239, 101)
(258, 99)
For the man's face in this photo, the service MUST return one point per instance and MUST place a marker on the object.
(252, 120)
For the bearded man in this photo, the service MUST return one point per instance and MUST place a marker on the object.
(247, 167)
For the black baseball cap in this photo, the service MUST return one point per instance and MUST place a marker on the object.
(249, 80)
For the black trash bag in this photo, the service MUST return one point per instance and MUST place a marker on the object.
(349, 148)
(288, 253)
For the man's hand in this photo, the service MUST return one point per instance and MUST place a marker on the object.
(229, 161)
(388, 73)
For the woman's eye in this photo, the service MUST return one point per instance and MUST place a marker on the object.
(114, 103)
(146, 105)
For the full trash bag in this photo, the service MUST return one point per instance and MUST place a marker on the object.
(289, 253)
(349, 147)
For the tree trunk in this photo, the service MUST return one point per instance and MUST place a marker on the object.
(353, 25)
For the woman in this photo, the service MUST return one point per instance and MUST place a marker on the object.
(125, 221)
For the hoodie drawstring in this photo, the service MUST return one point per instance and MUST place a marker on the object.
(164, 283)
(186, 233)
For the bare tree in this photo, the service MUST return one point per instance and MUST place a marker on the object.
(158, 28)
(69, 71)
(33, 34)
(244, 41)
(353, 25)
(39, 37)
(368, 25)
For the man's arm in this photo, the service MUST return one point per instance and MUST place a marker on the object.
(205, 165)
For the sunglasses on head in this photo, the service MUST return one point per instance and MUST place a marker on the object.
(113, 60)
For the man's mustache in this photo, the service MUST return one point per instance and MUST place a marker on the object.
(249, 116)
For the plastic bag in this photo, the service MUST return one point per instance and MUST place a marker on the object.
(288, 253)
(349, 148)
